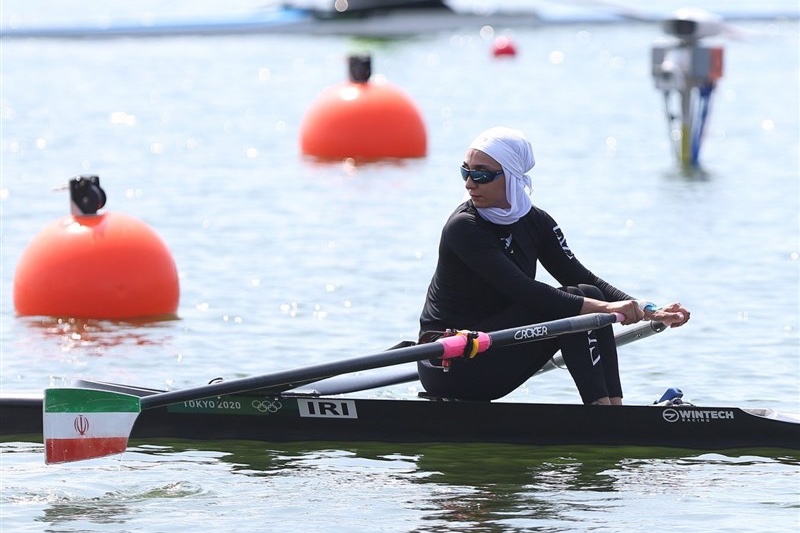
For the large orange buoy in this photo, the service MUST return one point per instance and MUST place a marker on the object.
(96, 265)
(363, 120)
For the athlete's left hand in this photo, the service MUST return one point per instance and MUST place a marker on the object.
(673, 315)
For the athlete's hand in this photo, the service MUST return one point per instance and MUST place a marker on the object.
(672, 315)
(630, 308)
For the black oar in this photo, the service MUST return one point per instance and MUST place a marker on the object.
(86, 423)
(347, 383)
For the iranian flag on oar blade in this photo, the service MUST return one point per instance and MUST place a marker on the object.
(86, 423)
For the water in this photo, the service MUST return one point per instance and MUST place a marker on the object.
(394, 489)
(285, 262)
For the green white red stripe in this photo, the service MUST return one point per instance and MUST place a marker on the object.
(86, 423)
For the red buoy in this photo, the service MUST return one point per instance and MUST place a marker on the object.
(504, 47)
(96, 265)
(363, 120)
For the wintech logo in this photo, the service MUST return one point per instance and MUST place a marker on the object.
(696, 415)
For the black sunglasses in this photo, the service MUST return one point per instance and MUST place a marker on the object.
(480, 176)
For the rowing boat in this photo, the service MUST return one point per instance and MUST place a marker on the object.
(303, 417)
(94, 418)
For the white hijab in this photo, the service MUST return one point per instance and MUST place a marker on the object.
(513, 151)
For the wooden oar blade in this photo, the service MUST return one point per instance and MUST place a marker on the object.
(86, 423)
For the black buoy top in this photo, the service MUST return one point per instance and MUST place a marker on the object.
(360, 68)
(86, 195)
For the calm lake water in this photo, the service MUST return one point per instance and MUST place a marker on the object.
(285, 262)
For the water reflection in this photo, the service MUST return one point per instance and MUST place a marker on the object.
(103, 503)
(420, 488)
(493, 487)
(94, 337)
(96, 511)
(689, 173)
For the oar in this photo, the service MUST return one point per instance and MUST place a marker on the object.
(622, 338)
(347, 383)
(87, 423)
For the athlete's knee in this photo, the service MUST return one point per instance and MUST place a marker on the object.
(584, 289)
(573, 290)
(591, 291)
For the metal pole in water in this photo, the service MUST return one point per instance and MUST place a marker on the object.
(685, 69)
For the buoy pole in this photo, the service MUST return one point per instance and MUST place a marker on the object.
(687, 126)
(690, 71)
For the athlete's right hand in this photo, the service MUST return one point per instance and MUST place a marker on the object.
(630, 308)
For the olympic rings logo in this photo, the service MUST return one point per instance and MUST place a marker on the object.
(267, 406)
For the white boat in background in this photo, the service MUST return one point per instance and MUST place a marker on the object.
(359, 18)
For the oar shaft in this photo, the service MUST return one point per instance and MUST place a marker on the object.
(354, 383)
(625, 337)
(289, 379)
(640, 332)
(554, 328)
(446, 347)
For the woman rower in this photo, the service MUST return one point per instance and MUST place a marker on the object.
(485, 280)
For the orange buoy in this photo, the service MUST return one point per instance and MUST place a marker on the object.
(504, 47)
(363, 120)
(96, 265)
